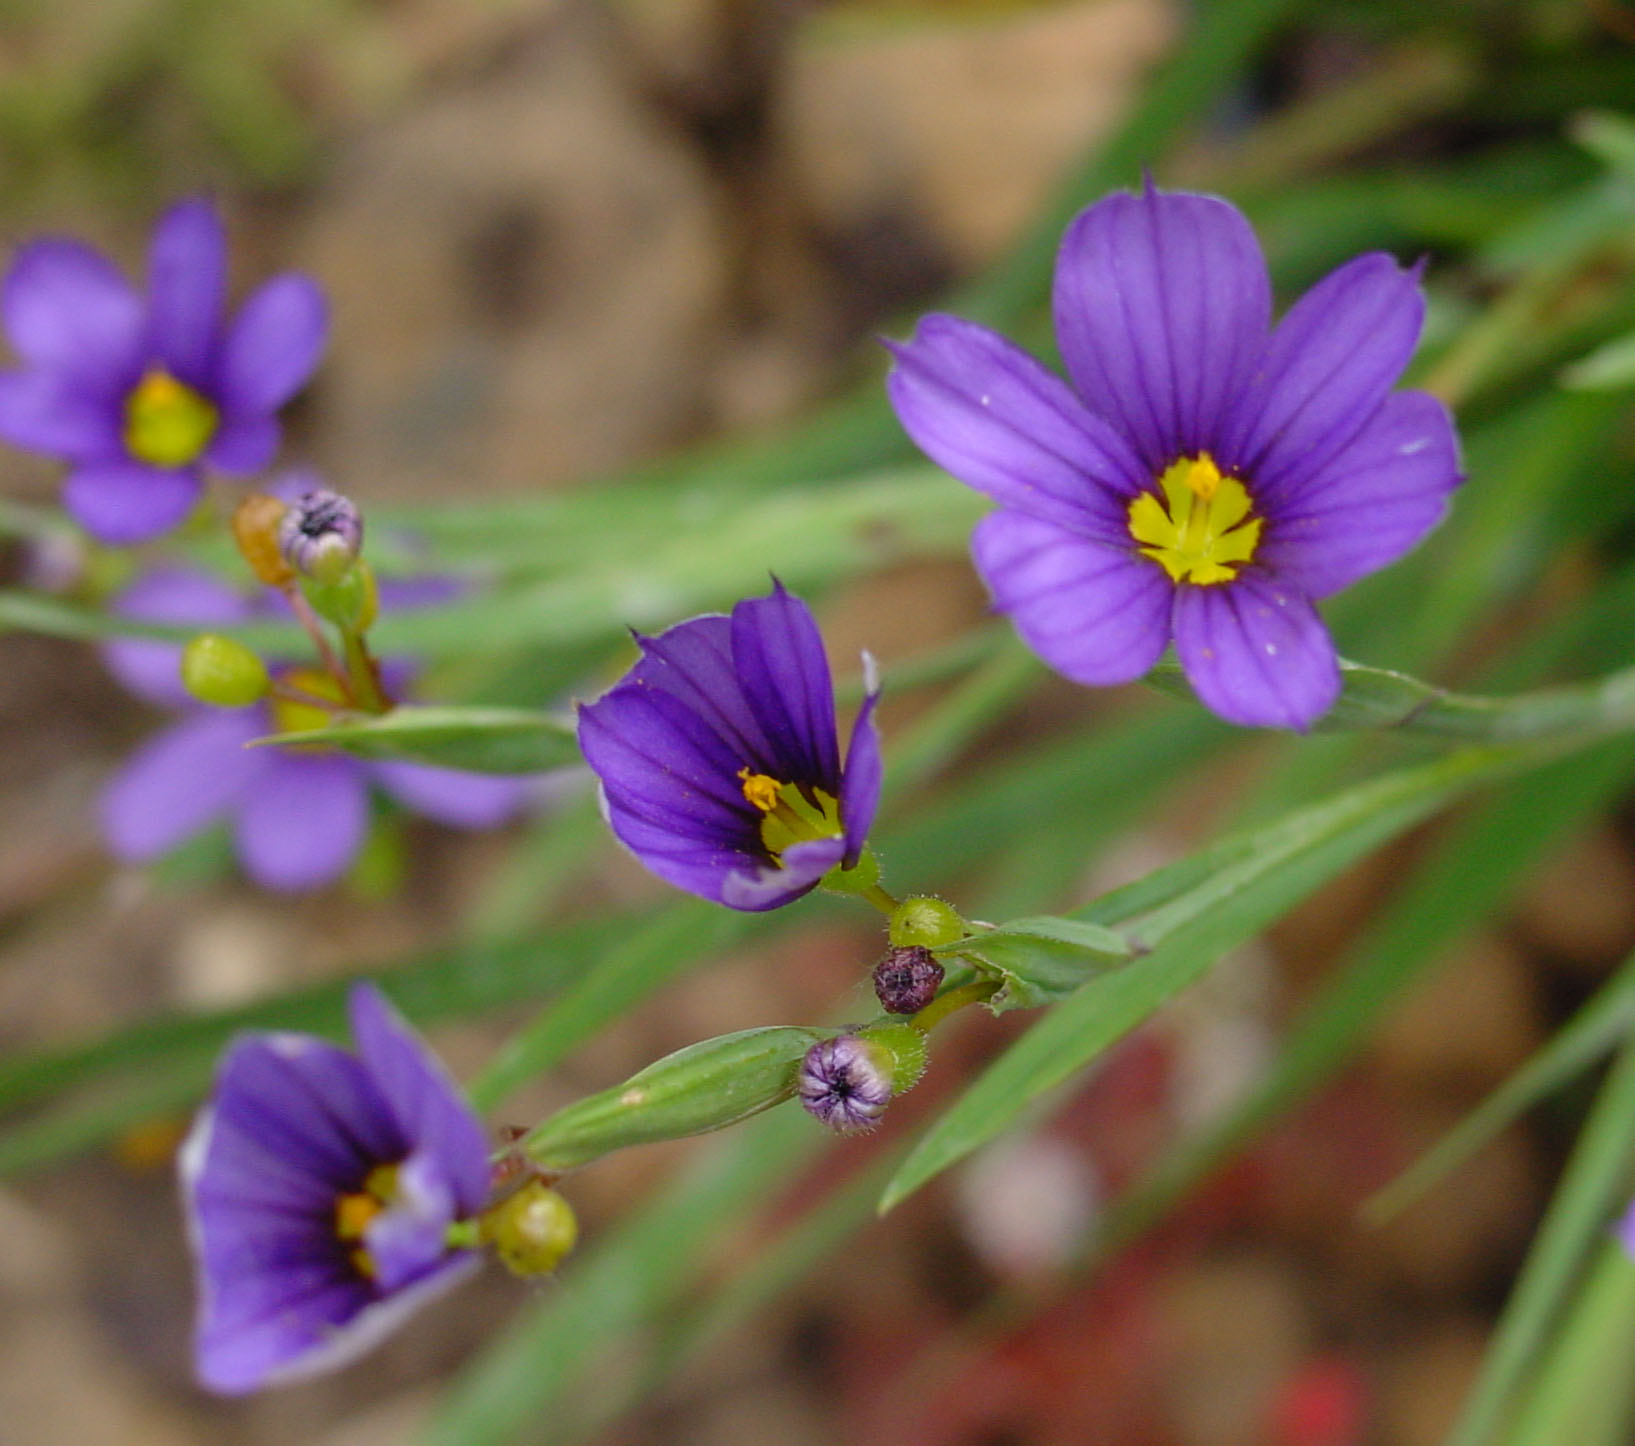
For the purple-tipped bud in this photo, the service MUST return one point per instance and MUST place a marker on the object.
(846, 1083)
(321, 536)
(906, 980)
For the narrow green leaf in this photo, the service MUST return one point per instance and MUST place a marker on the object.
(1283, 863)
(1043, 959)
(1598, 1028)
(480, 740)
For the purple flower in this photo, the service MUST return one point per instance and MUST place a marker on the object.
(299, 815)
(1205, 477)
(137, 394)
(320, 1187)
(719, 762)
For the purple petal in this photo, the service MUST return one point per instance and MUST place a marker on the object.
(985, 411)
(1161, 303)
(411, 1235)
(863, 774)
(1326, 369)
(1098, 615)
(325, 1334)
(699, 866)
(180, 782)
(1370, 504)
(45, 412)
(693, 662)
(1256, 652)
(659, 760)
(151, 669)
(187, 288)
(123, 503)
(304, 822)
(244, 444)
(451, 795)
(273, 345)
(428, 1106)
(769, 886)
(68, 310)
(783, 672)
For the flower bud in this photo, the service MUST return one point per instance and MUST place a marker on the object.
(320, 536)
(845, 1083)
(906, 980)
(256, 522)
(531, 1230)
(223, 672)
(927, 922)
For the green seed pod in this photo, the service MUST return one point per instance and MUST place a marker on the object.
(531, 1229)
(704, 1087)
(350, 603)
(928, 922)
(223, 673)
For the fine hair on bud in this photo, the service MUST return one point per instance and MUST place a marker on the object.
(906, 979)
(321, 535)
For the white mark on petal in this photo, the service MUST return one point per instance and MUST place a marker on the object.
(290, 1046)
(985, 399)
(1271, 650)
(1419, 444)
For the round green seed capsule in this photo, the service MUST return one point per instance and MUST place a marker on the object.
(927, 922)
(223, 673)
(531, 1230)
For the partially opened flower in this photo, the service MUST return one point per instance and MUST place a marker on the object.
(138, 393)
(1205, 477)
(299, 815)
(719, 760)
(321, 1187)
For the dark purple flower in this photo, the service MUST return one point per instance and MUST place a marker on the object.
(1206, 477)
(846, 1083)
(299, 815)
(139, 393)
(320, 1186)
(321, 535)
(719, 762)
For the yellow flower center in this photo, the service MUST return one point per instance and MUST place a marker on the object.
(1202, 530)
(791, 816)
(355, 1212)
(167, 423)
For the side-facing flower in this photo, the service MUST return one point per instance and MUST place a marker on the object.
(138, 393)
(320, 1188)
(1206, 477)
(299, 815)
(719, 762)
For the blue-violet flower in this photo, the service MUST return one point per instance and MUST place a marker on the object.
(138, 393)
(320, 1188)
(300, 815)
(1205, 477)
(719, 762)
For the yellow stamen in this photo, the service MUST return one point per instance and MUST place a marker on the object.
(167, 423)
(353, 1214)
(760, 790)
(1203, 530)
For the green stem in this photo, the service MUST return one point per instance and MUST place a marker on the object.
(362, 676)
(880, 899)
(952, 1002)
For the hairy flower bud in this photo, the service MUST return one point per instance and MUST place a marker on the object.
(531, 1229)
(906, 980)
(321, 535)
(845, 1082)
(256, 522)
(223, 672)
(352, 602)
